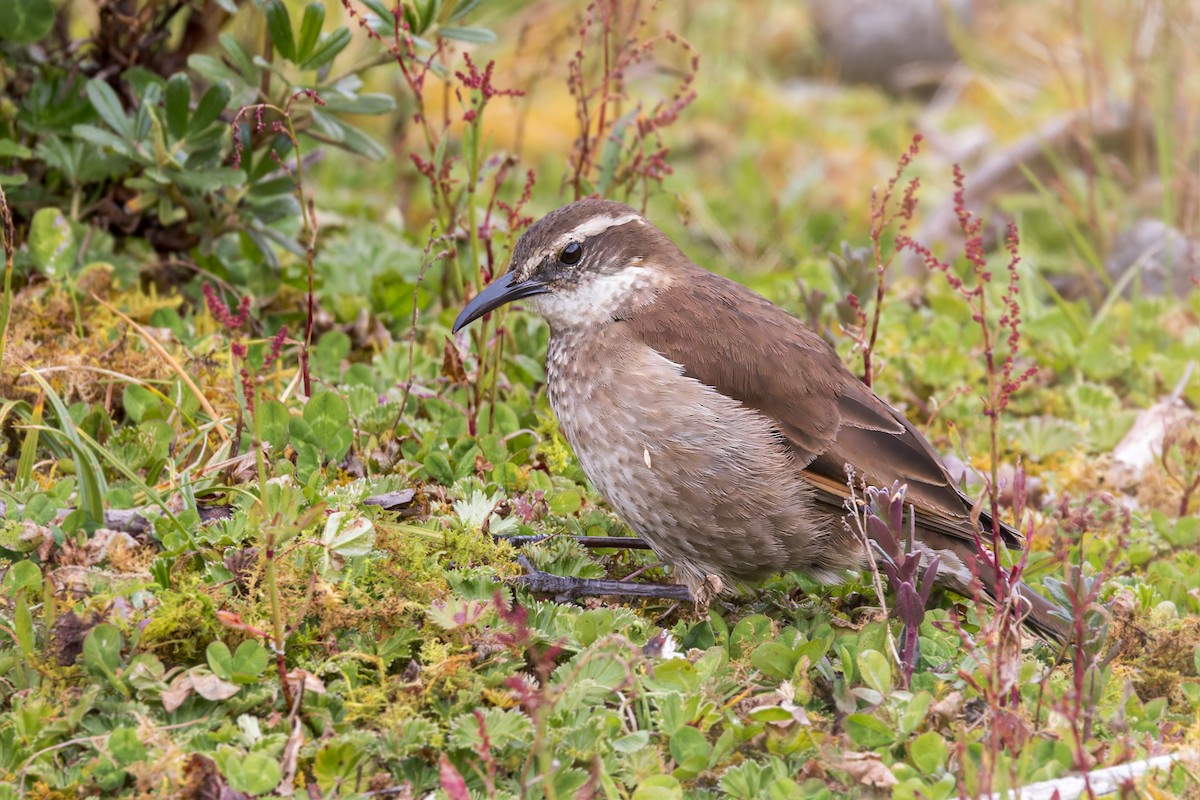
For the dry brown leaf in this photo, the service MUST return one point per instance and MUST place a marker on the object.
(1143, 444)
(69, 632)
(949, 707)
(287, 762)
(96, 548)
(40, 536)
(203, 781)
(177, 692)
(210, 687)
(300, 677)
(867, 769)
(452, 365)
(200, 681)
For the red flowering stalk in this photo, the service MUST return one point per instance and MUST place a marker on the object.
(1002, 376)
(618, 149)
(220, 310)
(998, 643)
(883, 216)
(308, 214)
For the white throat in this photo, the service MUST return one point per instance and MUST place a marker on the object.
(596, 300)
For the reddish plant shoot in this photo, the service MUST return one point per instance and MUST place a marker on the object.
(466, 183)
(997, 645)
(1000, 339)
(620, 148)
(453, 180)
(883, 216)
(285, 126)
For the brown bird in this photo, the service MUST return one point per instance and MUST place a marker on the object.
(717, 425)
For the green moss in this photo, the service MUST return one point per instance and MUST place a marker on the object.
(1173, 647)
(182, 626)
(465, 548)
(553, 447)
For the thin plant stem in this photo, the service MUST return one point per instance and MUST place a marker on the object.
(7, 230)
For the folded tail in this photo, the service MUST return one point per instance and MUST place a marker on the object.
(960, 562)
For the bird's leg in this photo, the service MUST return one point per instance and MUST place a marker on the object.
(614, 542)
(567, 588)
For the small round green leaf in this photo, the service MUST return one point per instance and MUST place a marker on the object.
(928, 752)
(774, 659)
(273, 418)
(254, 773)
(632, 742)
(141, 403)
(125, 747)
(437, 465)
(102, 648)
(51, 242)
(22, 575)
(658, 787)
(747, 633)
(876, 670)
(566, 502)
(27, 21)
(220, 660)
(868, 731)
(688, 744)
(329, 418)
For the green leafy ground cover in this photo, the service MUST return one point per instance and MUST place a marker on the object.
(234, 263)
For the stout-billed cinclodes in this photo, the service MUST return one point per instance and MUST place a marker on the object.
(717, 425)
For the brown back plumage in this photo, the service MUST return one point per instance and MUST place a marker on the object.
(828, 416)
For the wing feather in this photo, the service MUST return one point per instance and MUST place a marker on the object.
(747, 348)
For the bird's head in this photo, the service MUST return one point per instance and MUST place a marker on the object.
(588, 263)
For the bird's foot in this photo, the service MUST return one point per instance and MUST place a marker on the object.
(708, 588)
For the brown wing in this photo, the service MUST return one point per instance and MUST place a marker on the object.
(747, 348)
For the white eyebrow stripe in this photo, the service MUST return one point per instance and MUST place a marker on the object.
(594, 226)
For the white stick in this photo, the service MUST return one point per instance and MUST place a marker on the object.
(1104, 781)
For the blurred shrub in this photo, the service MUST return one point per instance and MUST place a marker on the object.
(122, 137)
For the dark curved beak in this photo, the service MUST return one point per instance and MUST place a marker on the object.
(500, 291)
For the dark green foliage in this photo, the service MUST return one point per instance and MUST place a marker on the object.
(141, 155)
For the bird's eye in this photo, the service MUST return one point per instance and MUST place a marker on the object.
(571, 253)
